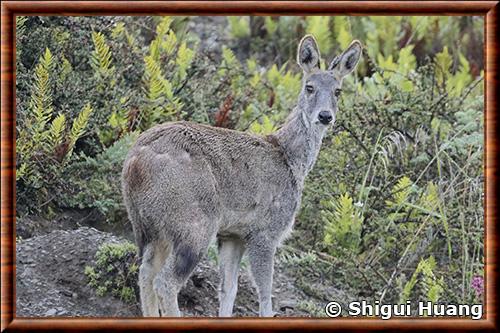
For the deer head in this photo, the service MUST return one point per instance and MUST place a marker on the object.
(321, 89)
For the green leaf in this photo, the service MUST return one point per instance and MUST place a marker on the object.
(443, 63)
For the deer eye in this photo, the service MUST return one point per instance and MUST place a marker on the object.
(309, 88)
(338, 92)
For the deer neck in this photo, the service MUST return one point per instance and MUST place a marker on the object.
(300, 142)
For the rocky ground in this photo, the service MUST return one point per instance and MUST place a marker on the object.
(51, 280)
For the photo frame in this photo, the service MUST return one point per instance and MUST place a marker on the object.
(10, 9)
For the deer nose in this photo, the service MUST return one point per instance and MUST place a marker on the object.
(325, 117)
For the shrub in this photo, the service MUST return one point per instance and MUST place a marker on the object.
(115, 271)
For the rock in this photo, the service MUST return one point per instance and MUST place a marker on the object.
(50, 312)
(287, 304)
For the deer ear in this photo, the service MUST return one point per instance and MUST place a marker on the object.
(346, 62)
(308, 54)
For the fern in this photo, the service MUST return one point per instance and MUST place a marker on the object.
(340, 31)
(184, 58)
(118, 30)
(57, 130)
(159, 94)
(163, 27)
(431, 284)
(342, 223)
(239, 26)
(401, 192)
(168, 45)
(263, 128)
(443, 63)
(165, 40)
(78, 128)
(20, 25)
(66, 69)
(229, 61)
(400, 201)
(100, 59)
(41, 97)
(271, 25)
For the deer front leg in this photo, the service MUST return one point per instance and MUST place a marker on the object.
(230, 253)
(261, 256)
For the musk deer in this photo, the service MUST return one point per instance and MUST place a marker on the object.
(185, 184)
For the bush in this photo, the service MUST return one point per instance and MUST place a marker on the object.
(115, 271)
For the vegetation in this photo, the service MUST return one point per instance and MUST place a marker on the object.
(116, 271)
(393, 209)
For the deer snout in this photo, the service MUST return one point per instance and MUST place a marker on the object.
(325, 117)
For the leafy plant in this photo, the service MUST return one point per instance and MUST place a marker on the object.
(342, 224)
(424, 274)
(115, 271)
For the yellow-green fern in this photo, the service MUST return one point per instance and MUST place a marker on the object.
(342, 223)
(41, 96)
(78, 127)
(184, 58)
(100, 59)
(57, 129)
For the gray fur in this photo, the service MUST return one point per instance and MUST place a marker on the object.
(185, 184)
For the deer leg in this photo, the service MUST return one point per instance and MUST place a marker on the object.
(261, 255)
(230, 252)
(147, 272)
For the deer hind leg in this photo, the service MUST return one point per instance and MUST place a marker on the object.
(177, 268)
(230, 252)
(153, 257)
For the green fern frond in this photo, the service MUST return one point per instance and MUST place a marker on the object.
(342, 223)
(229, 61)
(401, 192)
(168, 45)
(100, 59)
(163, 27)
(239, 26)
(20, 25)
(78, 127)
(443, 62)
(184, 58)
(57, 130)
(118, 30)
(154, 50)
(41, 96)
(271, 25)
(429, 281)
(22, 171)
(66, 69)
(156, 84)
(47, 60)
(159, 93)
(80, 123)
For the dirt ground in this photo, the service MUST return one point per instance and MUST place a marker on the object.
(51, 280)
